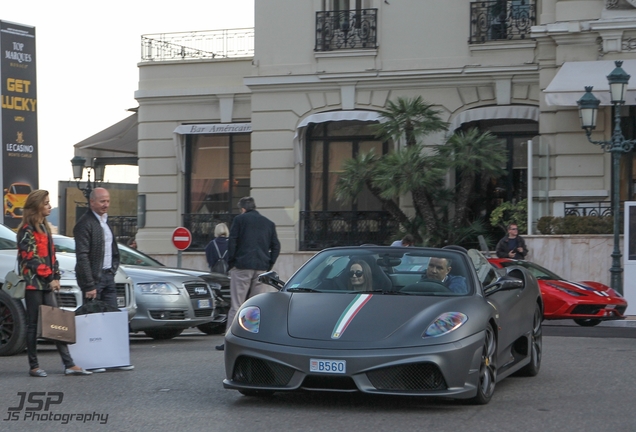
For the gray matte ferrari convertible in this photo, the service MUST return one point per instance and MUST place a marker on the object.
(388, 320)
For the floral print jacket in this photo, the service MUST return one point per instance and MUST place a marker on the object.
(36, 258)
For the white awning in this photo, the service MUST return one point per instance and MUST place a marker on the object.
(524, 112)
(117, 140)
(568, 85)
(349, 115)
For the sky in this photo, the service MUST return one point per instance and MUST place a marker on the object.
(87, 56)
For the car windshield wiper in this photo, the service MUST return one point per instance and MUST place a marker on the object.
(297, 289)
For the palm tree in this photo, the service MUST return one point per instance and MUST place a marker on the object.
(472, 153)
(409, 118)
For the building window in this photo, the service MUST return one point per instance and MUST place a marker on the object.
(219, 172)
(328, 146)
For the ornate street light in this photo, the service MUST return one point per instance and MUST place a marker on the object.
(617, 145)
(79, 165)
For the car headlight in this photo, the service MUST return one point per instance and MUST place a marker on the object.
(565, 290)
(157, 288)
(445, 323)
(249, 319)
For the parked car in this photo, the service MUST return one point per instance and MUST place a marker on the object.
(587, 303)
(168, 300)
(406, 335)
(12, 312)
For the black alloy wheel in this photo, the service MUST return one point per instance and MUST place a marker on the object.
(12, 325)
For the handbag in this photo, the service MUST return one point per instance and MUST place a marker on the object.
(220, 266)
(102, 340)
(92, 306)
(14, 285)
(56, 324)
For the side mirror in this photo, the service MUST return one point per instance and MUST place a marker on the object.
(504, 283)
(271, 278)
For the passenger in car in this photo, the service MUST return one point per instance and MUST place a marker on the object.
(360, 278)
(439, 269)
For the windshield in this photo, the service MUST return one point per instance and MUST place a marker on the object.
(130, 256)
(127, 255)
(8, 239)
(21, 189)
(391, 270)
(536, 270)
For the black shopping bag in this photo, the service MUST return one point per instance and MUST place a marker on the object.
(92, 306)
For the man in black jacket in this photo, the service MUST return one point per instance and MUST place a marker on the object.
(512, 245)
(96, 250)
(97, 254)
(253, 249)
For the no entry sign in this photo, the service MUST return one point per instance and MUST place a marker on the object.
(181, 238)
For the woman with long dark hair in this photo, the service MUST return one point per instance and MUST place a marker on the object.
(39, 268)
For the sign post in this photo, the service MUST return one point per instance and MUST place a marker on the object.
(181, 239)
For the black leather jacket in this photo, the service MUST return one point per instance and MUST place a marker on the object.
(89, 251)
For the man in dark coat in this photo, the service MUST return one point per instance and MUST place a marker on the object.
(253, 249)
(512, 245)
(97, 254)
(96, 250)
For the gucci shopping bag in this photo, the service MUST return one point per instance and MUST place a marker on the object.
(56, 324)
(102, 340)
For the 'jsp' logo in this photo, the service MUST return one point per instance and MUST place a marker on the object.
(38, 401)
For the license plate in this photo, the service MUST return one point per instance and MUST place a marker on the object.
(202, 304)
(328, 366)
(121, 302)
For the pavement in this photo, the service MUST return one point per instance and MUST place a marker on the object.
(629, 321)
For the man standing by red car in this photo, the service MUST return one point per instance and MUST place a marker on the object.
(512, 245)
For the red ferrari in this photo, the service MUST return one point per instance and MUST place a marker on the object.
(587, 303)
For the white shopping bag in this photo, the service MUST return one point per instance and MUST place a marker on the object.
(102, 340)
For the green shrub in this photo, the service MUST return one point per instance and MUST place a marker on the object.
(508, 213)
(576, 225)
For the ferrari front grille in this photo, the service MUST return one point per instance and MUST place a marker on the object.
(318, 382)
(251, 370)
(587, 309)
(410, 377)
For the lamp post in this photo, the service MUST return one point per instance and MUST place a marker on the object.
(617, 145)
(79, 165)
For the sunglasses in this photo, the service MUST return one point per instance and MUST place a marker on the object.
(356, 273)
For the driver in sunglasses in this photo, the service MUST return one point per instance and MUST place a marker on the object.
(360, 276)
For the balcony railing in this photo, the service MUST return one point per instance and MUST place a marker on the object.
(498, 20)
(202, 226)
(599, 208)
(198, 45)
(348, 29)
(328, 229)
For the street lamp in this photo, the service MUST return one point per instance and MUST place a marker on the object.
(79, 164)
(617, 145)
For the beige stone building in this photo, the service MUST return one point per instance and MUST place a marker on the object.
(273, 111)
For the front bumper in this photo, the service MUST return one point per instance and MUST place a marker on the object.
(171, 311)
(446, 370)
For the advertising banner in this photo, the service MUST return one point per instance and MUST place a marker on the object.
(18, 120)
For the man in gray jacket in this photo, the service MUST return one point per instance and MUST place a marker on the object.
(253, 249)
